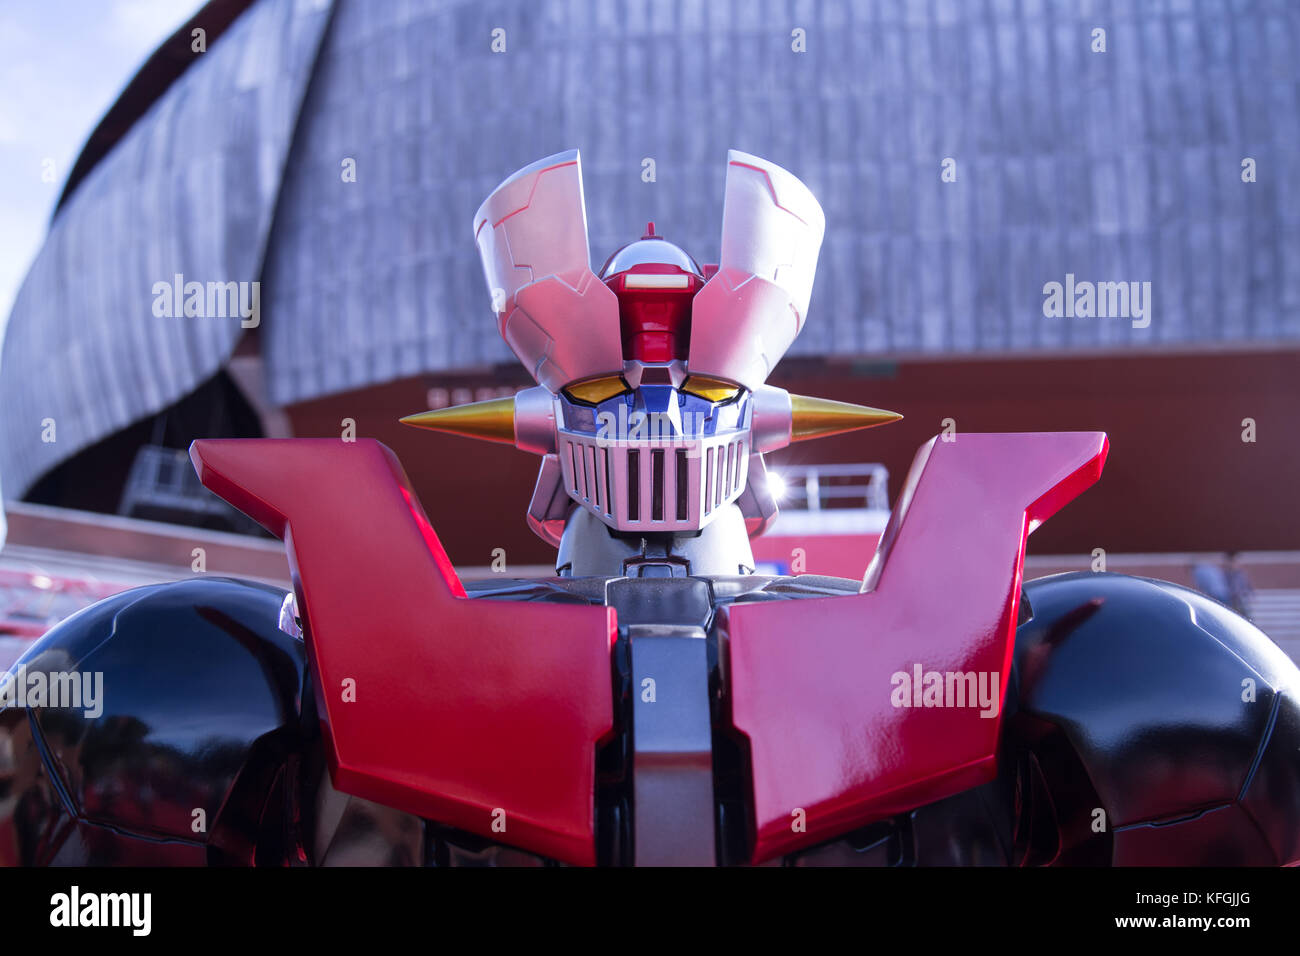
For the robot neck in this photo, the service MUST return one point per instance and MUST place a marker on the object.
(588, 547)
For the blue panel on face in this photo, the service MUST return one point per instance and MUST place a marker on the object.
(655, 398)
(728, 416)
(697, 417)
(579, 418)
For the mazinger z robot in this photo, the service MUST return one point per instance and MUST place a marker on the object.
(656, 702)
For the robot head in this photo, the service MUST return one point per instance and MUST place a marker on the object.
(652, 409)
(652, 447)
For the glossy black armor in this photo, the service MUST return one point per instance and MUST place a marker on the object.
(1145, 724)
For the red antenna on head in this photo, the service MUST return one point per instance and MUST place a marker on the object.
(650, 231)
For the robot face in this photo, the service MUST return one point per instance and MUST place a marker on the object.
(652, 391)
(664, 454)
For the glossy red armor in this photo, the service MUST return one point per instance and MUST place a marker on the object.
(463, 709)
(811, 680)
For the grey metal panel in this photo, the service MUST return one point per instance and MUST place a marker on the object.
(1055, 144)
(189, 190)
(672, 745)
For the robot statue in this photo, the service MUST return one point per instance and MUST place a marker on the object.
(656, 702)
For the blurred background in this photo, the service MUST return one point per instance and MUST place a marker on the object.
(966, 152)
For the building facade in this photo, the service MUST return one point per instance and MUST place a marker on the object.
(316, 169)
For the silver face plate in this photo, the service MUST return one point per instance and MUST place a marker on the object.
(654, 459)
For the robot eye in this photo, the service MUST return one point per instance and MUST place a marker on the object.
(596, 390)
(710, 389)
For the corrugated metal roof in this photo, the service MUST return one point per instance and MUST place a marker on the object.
(190, 190)
(1115, 166)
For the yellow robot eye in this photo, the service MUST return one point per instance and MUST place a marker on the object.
(710, 389)
(596, 390)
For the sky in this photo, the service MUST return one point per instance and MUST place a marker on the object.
(62, 65)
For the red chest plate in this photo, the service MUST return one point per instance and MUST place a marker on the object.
(836, 737)
(484, 715)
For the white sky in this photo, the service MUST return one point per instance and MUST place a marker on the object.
(62, 65)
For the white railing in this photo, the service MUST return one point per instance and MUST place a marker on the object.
(831, 487)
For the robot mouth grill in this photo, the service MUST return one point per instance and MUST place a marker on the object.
(657, 495)
(633, 486)
(682, 469)
(650, 488)
(722, 481)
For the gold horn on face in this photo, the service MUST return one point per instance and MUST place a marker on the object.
(819, 417)
(493, 420)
